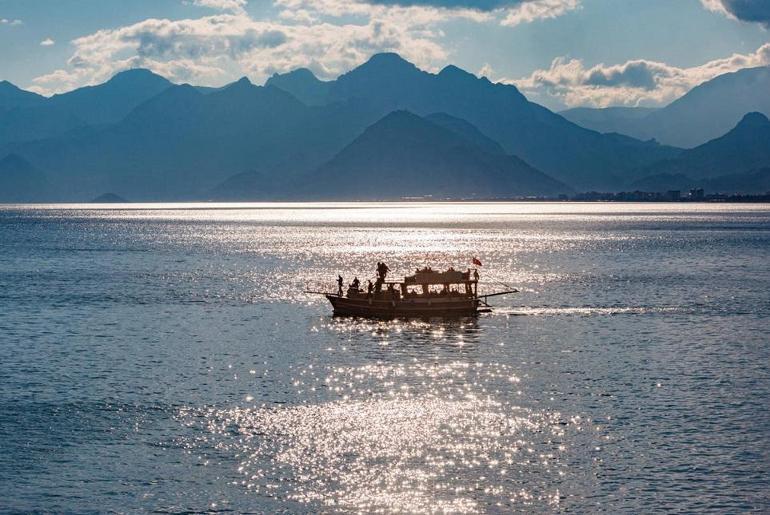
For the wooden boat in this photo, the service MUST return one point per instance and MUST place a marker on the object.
(425, 294)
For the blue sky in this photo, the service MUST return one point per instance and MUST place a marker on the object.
(559, 52)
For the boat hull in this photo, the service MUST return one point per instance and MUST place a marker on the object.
(404, 308)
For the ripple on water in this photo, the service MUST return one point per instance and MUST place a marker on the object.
(398, 437)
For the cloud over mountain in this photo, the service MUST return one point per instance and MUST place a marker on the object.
(328, 37)
(214, 49)
(633, 83)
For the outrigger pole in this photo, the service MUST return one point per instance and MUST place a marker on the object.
(497, 294)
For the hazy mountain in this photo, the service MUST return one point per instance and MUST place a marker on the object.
(111, 101)
(406, 155)
(39, 117)
(11, 96)
(577, 156)
(182, 143)
(467, 131)
(303, 85)
(736, 156)
(608, 119)
(20, 181)
(705, 113)
(32, 123)
(744, 148)
(757, 181)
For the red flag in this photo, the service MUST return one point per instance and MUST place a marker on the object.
(476, 262)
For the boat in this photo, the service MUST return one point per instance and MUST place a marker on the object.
(427, 293)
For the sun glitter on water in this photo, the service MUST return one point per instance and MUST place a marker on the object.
(399, 437)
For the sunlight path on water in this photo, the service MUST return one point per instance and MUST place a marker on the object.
(401, 437)
(167, 358)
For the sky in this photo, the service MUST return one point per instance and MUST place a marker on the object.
(561, 53)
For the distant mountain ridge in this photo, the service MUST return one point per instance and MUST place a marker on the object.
(737, 158)
(572, 154)
(143, 138)
(30, 117)
(406, 155)
(704, 113)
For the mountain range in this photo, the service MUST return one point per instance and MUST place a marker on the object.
(734, 163)
(383, 130)
(704, 113)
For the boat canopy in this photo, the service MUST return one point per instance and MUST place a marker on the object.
(428, 276)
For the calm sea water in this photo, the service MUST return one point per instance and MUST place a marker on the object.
(166, 358)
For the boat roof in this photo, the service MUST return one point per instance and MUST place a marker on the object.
(436, 277)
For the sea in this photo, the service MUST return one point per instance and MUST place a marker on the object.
(167, 358)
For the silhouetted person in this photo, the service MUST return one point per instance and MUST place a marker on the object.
(476, 275)
(355, 284)
(369, 288)
(382, 270)
(340, 282)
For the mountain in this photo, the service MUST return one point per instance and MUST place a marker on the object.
(182, 143)
(11, 96)
(303, 85)
(111, 101)
(31, 123)
(37, 117)
(20, 181)
(608, 119)
(406, 155)
(706, 112)
(738, 156)
(575, 155)
(467, 131)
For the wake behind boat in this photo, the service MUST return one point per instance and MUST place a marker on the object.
(426, 293)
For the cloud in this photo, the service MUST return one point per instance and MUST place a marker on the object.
(527, 12)
(327, 36)
(216, 49)
(233, 6)
(633, 83)
(47, 42)
(754, 11)
(503, 12)
(11, 23)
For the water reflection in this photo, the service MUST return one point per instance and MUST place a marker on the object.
(408, 437)
(399, 338)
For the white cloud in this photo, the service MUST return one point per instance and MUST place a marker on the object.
(633, 83)
(215, 49)
(328, 36)
(527, 12)
(509, 13)
(233, 6)
(47, 42)
(10, 22)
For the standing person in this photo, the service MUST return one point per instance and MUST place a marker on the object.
(355, 284)
(476, 275)
(369, 287)
(339, 285)
(382, 270)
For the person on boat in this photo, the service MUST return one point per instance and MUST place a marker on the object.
(355, 284)
(476, 274)
(340, 282)
(369, 287)
(382, 270)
